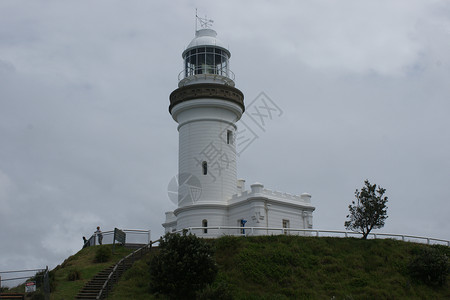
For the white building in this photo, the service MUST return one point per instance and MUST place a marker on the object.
(206, 105)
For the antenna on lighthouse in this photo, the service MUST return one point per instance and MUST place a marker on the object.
(204, 22)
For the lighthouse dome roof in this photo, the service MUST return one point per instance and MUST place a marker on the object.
(206, 37)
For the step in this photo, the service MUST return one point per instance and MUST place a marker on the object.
(93, 287)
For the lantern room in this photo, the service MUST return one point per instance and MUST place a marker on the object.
(206, 60)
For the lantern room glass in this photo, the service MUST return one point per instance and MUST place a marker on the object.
(206, 60)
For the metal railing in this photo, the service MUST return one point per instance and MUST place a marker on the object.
(121, 267)
(133, 236)
(214, 231)
(44, 273)
(210, 70)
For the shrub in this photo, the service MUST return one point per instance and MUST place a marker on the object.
(103, 254)
(74, 275)
(37, 296)
(431, 266)
(184, 265)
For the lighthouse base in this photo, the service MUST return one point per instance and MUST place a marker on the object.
(261, 211)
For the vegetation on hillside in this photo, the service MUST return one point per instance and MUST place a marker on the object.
(369, 211)
(69, 277)
(292, 267)
(285, 267)
(184, 266)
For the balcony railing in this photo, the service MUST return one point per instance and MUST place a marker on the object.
(209, 70)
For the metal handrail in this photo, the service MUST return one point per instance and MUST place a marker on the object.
(92, 239)
(45, 274)
(116, 272)
(249, 231)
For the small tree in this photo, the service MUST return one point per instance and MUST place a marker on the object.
(369, 211)
(184, 266)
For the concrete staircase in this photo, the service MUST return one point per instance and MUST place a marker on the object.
(93, 286)
(101, 284)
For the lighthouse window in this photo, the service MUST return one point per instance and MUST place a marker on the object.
(206, 60)
(205, 224)
(285, 225)
(205, 167)
(229, 137)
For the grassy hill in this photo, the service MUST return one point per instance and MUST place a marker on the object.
(83, 266)
(84, 263)
(290, 267)
(280, 267)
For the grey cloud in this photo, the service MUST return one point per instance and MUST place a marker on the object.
(86, 138)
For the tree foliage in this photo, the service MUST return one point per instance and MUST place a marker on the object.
(184, 266)
(369, 211)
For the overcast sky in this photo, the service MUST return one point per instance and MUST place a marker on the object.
(86, 138)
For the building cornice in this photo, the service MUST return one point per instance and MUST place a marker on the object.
(268, 200)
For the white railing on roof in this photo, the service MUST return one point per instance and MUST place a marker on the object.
(214, 231)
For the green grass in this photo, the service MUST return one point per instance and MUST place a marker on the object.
(134, 284)
(83, 261)
(279, 267)
(290, 267)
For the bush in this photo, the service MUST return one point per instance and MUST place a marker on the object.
(37, 296)
(74, 275)
(184, 266)
(103, 254)
(431, 266)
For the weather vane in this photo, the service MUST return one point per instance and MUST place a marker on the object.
(204, 22)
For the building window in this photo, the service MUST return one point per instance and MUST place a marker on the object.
(285, 225)
(205, 167)
(205, 224)
(229, 137)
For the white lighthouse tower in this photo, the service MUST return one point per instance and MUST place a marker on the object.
(206, 105)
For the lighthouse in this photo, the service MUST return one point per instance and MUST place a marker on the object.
(206, 106)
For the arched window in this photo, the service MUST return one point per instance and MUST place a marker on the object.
(205, 167)
(229, 137)
(205, 224)
(285, 224)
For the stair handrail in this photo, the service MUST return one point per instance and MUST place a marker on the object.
(114, 276)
